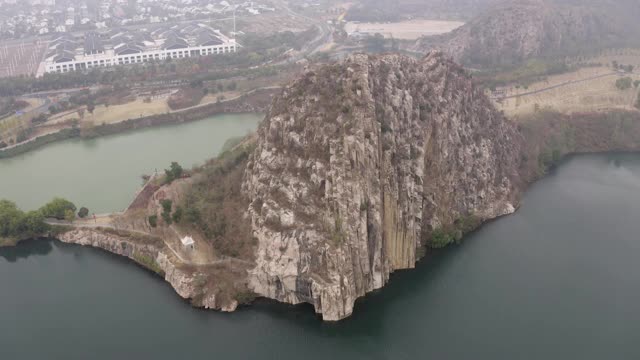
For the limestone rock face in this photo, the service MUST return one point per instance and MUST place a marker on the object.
(358, 163)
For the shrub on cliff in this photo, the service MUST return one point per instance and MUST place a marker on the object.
(173, 172)
(166, 210)
(57, 208)
(177, 215)
(153, 220)
(215, 205)
(441, 238)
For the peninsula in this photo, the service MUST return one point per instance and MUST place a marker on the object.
(359, 169)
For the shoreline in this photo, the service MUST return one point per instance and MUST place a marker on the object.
(155, 257)
(186, 278)
(255, 101)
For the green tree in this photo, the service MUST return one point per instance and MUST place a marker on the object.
(57, 208)
(166, 210)
(153, 220)
(174, 172)
(69, 215)
(33, 222)
(10, 217)
(166, 205)
(16, 225)
(177, 215)
(83, 212)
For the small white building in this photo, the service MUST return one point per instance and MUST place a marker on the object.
(188, 243)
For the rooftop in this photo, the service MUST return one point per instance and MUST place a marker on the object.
(187, 241)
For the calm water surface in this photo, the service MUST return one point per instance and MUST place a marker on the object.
(560, 279)
(103, 174)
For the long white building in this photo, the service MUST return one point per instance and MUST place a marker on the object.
(120, 47)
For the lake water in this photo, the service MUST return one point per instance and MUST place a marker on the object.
(104, 174)
(560, 279)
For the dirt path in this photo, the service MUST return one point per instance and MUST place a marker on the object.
(104, 221)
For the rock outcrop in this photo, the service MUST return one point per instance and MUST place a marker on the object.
(357, 165)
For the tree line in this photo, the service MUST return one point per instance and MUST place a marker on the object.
(16, 225)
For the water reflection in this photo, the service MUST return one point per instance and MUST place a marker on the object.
(27, 248)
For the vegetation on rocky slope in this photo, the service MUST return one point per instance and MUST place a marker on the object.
(215, 205)
(551, 136)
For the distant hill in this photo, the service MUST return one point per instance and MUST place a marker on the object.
(513, 31)
(386, 10)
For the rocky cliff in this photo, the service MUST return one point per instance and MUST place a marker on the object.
(359, 165)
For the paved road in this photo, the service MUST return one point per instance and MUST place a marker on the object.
(315, 45)
(558, 86)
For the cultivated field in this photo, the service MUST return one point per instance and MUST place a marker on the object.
(588, 89)
(409, 30)
(21, 58)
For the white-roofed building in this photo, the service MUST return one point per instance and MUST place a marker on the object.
(121, 47)
(188, 243)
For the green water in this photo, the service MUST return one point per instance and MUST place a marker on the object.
(560, 279)
(104, 174)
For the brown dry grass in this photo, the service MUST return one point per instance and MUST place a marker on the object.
(215, 205)
(586, 96)
(117, 113)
